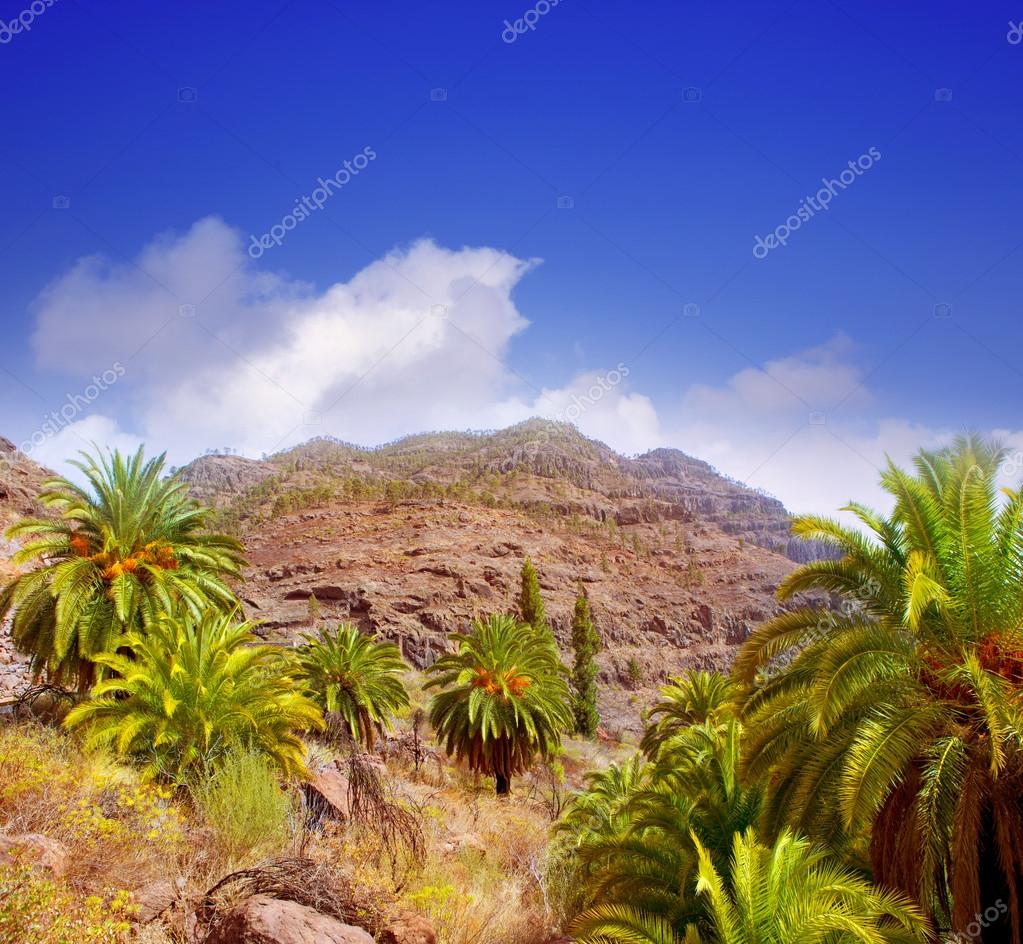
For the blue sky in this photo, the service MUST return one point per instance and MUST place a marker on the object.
(177, 134)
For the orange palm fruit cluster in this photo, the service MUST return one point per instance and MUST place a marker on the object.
(154, 554)
(515, 684)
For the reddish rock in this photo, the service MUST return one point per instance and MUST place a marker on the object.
(21, 480)
(264, 920)
(154, 899)
(34, 849)
(675, 585)
(408, 929)
(466, 842)
(328, 788)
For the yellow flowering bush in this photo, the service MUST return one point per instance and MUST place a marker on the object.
(111, 822)
(34, 909)
(35, 765)
(128, 814)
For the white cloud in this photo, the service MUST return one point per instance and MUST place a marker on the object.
(419, 340)
(804, 428)
(415, 340)
(83, 435)
(600, 405)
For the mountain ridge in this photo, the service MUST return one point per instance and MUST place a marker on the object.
(410, 540)
(547, 449)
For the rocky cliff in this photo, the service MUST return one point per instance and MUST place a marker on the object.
(20, 482)
(412, 539)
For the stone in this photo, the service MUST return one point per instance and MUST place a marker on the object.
(154, 899)
(34, 849)
(693, 570)
(408, 928)
(264, 920)
(327, 791)
(466, 842)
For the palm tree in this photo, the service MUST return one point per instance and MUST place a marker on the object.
(906, 706)
(350, 674)
(790, 893)
(115, 556)
(694, 698)
(643, 873)
(593, 817)
(599, 811)
(503, 700)
(192, 692)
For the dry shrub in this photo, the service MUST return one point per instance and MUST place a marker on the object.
(486, 914)
(119, 832)
(47, 703)
(373, 808)
(483, 878)
(315, 885)
(35, 909)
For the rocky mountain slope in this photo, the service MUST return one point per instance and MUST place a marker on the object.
(20, 482)
(412, 539)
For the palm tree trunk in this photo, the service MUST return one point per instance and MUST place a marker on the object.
(503, 784)
(995, 918)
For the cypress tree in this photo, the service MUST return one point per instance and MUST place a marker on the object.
(585, 643)
(531, 608)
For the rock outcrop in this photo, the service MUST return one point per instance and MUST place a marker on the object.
(36, 850)
(408, 929)
(412, 540)
(264, 920)
(21, 480)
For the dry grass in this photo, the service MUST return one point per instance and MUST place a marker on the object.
(477, 867)
(119, 832)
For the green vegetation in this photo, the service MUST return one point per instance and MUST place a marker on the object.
(531, 606)
(858, 777)
(111, 562)
(191, 692)
(790, 891)
(503, 701)
(905, 708)
(34, 908)
(245, 806)
(351, 675)
(693, 575)
(698, 698)
(693, 801)
(585, 643)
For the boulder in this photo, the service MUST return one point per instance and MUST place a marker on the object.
(408, 928)
(264, 920)
(154, 899)
(327, 794)
(34, 849)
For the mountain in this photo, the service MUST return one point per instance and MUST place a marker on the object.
(413, 538)
(21, 480)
